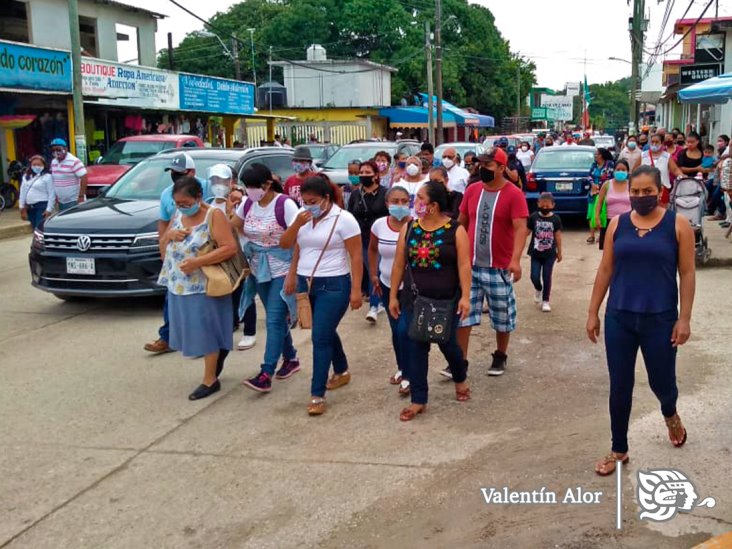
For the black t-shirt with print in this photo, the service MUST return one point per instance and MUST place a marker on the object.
(543, 234)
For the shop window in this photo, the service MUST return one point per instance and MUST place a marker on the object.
(14, 21)
(88, 33)
(128, 47)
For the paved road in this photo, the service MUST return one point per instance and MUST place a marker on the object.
(101, 447)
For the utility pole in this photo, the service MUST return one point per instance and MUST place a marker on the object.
(637, 30)
(235, 56)
(254, 63)
(438, 69)
(170, 51)
(518, 96)
(270, 80)
(430, 85)
(79, 128)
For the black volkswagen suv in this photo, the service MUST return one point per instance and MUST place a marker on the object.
(108, 246)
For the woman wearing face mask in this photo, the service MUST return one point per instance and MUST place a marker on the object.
(631, 153)
(200, 325)
(646, 248)
(600, 171)
(413, 180)
(690, 159)
(438, 253)
(219, 178)
(327, 241)
(614, 198)
(399, 172)
(382, 249)
(525, 155)
(656, 157)
(383, 163)
(455, 198)
(262, 220)
(367, 204)
(37, 193)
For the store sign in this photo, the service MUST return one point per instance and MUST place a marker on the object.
(573, 89)
(692, 74)
(215, 95)
(538, 113)
(561, 104)
(129, 85)
(31, 68)
(709, 48)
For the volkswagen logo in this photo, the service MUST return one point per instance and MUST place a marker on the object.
(83, 243)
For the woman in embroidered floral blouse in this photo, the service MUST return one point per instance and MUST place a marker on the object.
(438, 253)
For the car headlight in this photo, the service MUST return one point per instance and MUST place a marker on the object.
(146, 241)
(37, 239)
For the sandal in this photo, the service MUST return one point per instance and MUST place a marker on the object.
(316, 407)
(674, 426)
(591, 240)
(337, 381)
(462, 396)
(405, 388)
(408, 414)
(396, 379)
(608, 460)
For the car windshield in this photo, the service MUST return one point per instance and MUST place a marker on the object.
(132, 152)
(563, 159)
(491, 141)
(462, 149)
(604, 141)
(340, 160)
(148, 179)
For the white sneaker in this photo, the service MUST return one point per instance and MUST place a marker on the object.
(546, 308)
(247, 342)
(372, 315)
(537, 296)
(380, 309)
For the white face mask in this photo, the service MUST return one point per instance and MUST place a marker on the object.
(448, 162)
(413, 169)
(524, 148)
(220, 190)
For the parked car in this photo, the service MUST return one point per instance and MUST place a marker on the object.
(336, 167)
(321, 152)
(564, 172)
(108, 246)
(606, 141)
(127, 152)
(462, 148)
(490, 141)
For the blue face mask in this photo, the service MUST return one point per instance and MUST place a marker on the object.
(621, 176)
(314, 209)
(399, 212)
(36, 169)
(190, 212)
(354, 179)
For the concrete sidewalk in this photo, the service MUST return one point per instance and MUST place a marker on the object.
(11, 225)
(721, 247)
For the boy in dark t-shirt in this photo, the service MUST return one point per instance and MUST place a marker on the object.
(545, 248)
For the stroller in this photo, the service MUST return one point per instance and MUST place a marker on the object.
(689, 199)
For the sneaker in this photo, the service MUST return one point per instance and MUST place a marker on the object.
(372, 315)
(261, 383)
(537, 296)
(498, 367)
(380, 309)
(158, 347)
(546, 308)
(447, 372)
(246, 342)
(288, 369)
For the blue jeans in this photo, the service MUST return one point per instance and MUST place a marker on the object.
(625, 333)
(329, 299)
(541, 275)
(716, 202)
(67, 205)
(35, 213)
(164, 330)
(250, 315)
(396, 341)
(279, 338)
(366, 285)
(418, 357)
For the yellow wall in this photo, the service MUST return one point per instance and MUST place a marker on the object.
(325, 115)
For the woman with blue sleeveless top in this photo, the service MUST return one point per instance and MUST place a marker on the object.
(646, 248)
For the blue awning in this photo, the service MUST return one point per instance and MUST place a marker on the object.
(713, 90)
(463, 118)
(414, 117)
(485, 121)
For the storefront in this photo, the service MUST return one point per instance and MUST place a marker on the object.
(35, 100)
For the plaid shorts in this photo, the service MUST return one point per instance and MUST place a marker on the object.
(496, 286)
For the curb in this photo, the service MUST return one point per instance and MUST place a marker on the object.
(18, 229)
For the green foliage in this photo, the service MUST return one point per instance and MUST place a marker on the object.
(610, 107)
(478, 68)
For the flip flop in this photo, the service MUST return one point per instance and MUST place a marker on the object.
(610, 459)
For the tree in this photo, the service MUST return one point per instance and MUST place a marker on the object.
(479, 69)
(610, 107)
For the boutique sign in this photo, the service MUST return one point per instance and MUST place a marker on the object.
(129, 85)
(30, 68)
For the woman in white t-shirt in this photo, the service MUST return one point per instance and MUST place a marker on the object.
(262, 219)
(328, 265)
(382, 249)
(412, 180)
(525, 155)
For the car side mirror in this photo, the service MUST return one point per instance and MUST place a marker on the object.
(99, 160)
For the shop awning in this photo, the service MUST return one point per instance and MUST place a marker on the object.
(463, 118)
(713, 90)
(414, 117)
(15, 121)
(485, 121)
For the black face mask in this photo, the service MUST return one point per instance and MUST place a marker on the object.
(366, 180)
(486, 175)
(546, 211)
(175, 176)
(644, 205)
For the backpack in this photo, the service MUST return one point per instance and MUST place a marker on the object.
(280, 202)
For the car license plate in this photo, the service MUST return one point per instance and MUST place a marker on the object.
(80, 266)
(563, 187)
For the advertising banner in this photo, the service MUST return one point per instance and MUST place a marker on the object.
(31, 68)
(215, 95)
(561, 104)
(573, 89)
(129, 85)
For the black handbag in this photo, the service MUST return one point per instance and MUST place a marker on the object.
(433, 320)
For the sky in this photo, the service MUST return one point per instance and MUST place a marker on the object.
(558, 36)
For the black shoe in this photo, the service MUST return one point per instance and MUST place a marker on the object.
(498, 368)
(446, 372)
(203, 391)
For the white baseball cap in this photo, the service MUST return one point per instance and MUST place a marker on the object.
(222, 171)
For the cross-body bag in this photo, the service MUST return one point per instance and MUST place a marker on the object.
(223, 278)
(433, 320)
(304, 309)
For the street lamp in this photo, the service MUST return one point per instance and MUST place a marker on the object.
(619, 59)
(207, 34)
(254, 70)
